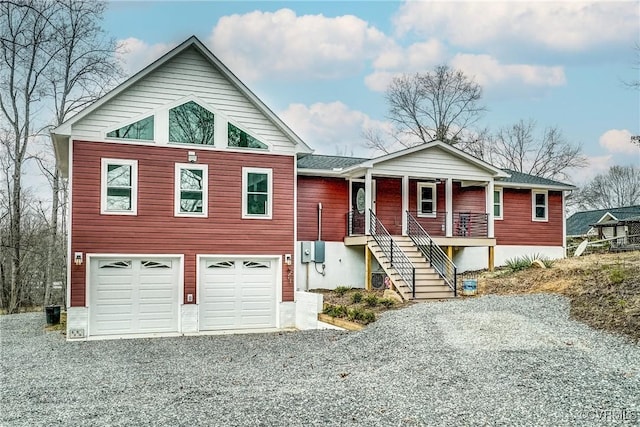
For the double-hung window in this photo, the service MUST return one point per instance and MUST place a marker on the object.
(426, 199)
(497, 203)
(539, 205)
(119, 187)
(191, 190)
(257, 193)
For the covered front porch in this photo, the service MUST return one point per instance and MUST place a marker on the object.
(445, 192)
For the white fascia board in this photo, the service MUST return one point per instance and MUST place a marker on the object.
(320, 172)
(534, 186)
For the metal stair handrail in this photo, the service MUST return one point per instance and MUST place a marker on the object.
(436, 257)
(398, 259)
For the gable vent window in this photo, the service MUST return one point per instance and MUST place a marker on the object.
(191, 123)
(141, 130)
(239, 138)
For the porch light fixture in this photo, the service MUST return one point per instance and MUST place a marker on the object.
(192, 157)
(77, 258)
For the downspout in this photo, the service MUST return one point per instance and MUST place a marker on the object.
(319, 221)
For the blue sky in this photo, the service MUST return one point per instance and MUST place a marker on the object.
(323, 66)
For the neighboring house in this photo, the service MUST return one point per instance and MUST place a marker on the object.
(601, 223)
(195, 209)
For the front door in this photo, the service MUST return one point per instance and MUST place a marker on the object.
(358, 208)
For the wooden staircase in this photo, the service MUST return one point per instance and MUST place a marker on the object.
(429, 284)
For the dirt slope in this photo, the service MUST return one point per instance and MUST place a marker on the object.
(604, 288)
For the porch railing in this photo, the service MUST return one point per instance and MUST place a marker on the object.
(465, 224)
(470, 224)
(398, 259)
(436, 257)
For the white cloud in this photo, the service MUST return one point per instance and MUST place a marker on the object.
(283, 45)
(488, 71)
(332, 128)
(136, 54)
(484, 69)
(394, 60)
(559, 26)
(619, 141)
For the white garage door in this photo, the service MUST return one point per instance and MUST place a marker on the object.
(133, 296)
(237, 294)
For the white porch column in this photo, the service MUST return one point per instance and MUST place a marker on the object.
(490, 190)
(448, 197)
(368, 198)
(405, 203)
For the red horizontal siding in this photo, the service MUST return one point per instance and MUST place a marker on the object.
(333, 193)
(389, 204)
(469, 199)
(156, 231)
(517, 228)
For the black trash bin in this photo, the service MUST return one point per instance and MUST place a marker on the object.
(53, 314)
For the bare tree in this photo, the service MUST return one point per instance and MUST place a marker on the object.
(521, 148)
(635, 84)
(619, 187)
(437, 105)
(52, 53)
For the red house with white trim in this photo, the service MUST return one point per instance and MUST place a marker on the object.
(194, 209)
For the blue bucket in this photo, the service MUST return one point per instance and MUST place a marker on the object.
(469, 286)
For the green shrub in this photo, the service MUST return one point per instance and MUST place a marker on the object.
(341, 290)
(518, 264)
(335, 310)
(617, 276)
(387, 302)
(522, 263)
(356, 297)
(371, 300)
(359, 314)
(368, 317)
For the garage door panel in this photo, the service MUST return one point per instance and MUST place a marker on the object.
(132, 296)
(237, 294)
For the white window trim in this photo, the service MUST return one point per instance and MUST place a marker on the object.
(245, 175)
(533, 205)
(499, 189)
(205, 190)
(434, 194)
(134, 186)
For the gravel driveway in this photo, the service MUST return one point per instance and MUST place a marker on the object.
(486, 361)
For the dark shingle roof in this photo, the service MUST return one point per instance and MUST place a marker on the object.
(322, 162)
(580, 222)
(525, 178)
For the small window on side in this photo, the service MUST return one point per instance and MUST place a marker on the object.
(497, 203)
(540, 205)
